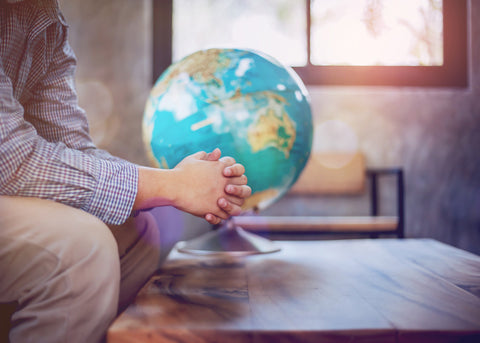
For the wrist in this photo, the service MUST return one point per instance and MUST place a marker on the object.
(156, 187)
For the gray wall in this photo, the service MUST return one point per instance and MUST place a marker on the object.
(112, 41)
(433, 133)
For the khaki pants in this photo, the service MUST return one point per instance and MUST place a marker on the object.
(70, 273)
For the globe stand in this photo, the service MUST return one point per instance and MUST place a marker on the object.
(228, 240)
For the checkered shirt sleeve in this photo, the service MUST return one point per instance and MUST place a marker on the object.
(45, 147)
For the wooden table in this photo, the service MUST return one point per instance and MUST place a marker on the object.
(381, 290)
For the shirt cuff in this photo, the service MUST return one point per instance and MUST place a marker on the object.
(115, 191)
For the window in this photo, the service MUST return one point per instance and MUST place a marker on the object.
(342, 42)
(275, 27)
(376, 32)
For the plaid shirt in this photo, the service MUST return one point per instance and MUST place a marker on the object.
(45, 147)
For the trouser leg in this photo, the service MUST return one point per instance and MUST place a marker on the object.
(61, 265)
(67, 271)
(138, 242)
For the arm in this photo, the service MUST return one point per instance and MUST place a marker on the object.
(32, 166)
(45, 149)
(50, 155)
(182, 187)
(171, 187)
(202, 184)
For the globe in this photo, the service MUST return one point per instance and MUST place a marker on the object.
(244, 102)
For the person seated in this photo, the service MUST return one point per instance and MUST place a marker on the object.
(77, 236)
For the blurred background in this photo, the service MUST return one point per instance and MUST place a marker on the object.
(433, 133)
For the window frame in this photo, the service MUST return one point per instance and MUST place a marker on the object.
(453, 72)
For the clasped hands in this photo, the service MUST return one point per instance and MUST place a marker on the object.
(203, 184)
(214, 180)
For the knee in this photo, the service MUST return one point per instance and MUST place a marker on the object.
(56, 245)
(91, 277)
(84, 266)
(58, 258)
(92, 253)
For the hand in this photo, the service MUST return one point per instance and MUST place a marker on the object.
(236, 189)
(202, 184)
(199, 186)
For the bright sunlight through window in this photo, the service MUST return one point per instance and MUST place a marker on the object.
(342, 32)
(275, 27)
(377, 32)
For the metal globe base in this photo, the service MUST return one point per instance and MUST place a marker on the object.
(228, 240)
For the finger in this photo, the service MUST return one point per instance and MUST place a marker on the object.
(230, 208)
(228, 160)
(237, 180)
(235, 169)
(214, 220)
(240, 191)
(214, 155)
(235, 200)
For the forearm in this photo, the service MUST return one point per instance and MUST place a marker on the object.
(189, 189)
(50, 171)
(33, 167)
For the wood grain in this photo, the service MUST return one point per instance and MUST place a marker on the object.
(317, 223)
(333, 291)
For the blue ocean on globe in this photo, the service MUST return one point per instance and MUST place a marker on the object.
(245, 103)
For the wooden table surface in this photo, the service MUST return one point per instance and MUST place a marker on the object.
(380, 290)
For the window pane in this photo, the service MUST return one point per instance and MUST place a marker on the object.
(275, 27)
(377, 32)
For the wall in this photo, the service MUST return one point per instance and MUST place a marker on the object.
(112, 42)
(433, 133)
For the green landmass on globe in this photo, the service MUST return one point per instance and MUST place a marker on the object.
(244, 102)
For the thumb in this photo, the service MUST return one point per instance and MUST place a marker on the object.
(214, 155)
